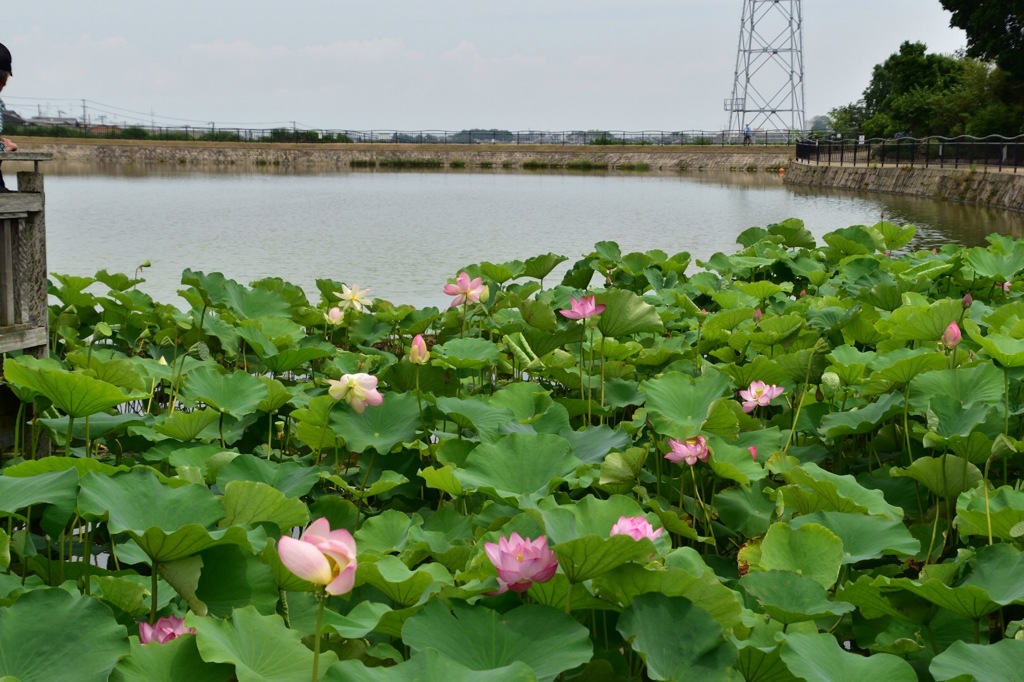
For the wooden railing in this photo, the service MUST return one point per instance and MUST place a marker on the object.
(23, 275)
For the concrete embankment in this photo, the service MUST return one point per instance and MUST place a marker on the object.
(965, 185)
(383, 155)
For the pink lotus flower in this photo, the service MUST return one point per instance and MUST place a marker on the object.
(759, 394)
(164, 630)
(466, 290)
(758, 315)
(358, 390)
(354, 298)
(690, 450)
(1006, 286)
(637, 527)
(753, 452)
(322, 556)
(520, 562)
(334, 316)
(418, 353)
(582, 308)
(951, 337)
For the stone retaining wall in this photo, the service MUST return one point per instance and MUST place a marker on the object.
(969, 186)
(344, 156)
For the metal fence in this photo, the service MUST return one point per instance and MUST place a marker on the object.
(476, 136)
(993, 152)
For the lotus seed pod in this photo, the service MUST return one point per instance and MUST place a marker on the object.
(830, 384)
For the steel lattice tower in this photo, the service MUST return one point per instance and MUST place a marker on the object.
(768, 93)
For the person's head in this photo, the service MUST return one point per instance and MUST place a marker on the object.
(6, 70)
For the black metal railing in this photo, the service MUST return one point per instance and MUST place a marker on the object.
(994, 152)
(215, 133)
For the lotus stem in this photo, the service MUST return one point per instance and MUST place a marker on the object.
(316, 636)
(67, 442)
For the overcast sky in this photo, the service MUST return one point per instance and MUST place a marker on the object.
(431, 65)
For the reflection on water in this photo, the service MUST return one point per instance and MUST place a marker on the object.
(405, 233)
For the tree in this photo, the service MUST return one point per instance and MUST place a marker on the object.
(995, 30)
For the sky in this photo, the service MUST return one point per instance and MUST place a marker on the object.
(439, 65)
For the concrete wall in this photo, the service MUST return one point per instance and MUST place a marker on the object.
(996, 189)
(344, 156)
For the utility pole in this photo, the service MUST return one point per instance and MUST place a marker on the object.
(768, 90)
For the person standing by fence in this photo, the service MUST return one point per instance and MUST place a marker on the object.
(748, 136)
(6, 71)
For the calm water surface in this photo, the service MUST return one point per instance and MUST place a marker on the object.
(404, 234)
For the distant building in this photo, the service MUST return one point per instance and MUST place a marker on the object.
(53, 121)
(12, 118)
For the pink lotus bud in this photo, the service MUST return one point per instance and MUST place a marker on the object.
(758, 315)
(966, 301)
(521, 562)
(322, 556)
(334, 316)
(418, 353)
(951, 337)
(753, 452)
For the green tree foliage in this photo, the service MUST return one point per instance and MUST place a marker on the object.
(914, 92)
(995, 30)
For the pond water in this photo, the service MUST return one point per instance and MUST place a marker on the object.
(403, 234)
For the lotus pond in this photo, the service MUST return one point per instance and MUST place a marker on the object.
(800, 461)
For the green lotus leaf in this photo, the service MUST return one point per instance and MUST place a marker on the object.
(172, 661)
(165, 546)
(969, 601)
(999, 570)
(627, 582)
(291, 359)
(314, 424)
(811, 550)
(922, 323)
(864, 420)
(528, 465)
(626, 314)
(291, 478)
(233, 578)
(278, 396)
(791, 598)
(945, 476)
(1004, 510)
(831, 492)
(127, 594)
(138, 501)
(864, 537)
(57, 488)
(404, 586)
(477, 415)
(592, 444)
(949, 418)
(996, 263)
(649, 624)
(895, 236)
(117, 371)
(850, 241)
(76, 395)
(758, 369)
(261, 648)
(588, 516)
(1006, 350)
(539, 267)
(745, 509)
(548, 641)
(820, 657)
(997, 662)
(237, 394)
(538, 315)
(388, 480)
(250, 503)
(471, 353)
(386, 532)
(981, 384)
(380, 427)
(681, 406)
(587, 557)
(901, 366)
(185, 426)
(89, 648)
(428, 665)
(443, 479)
(5, 550)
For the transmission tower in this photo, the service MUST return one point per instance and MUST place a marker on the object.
(768, 93)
